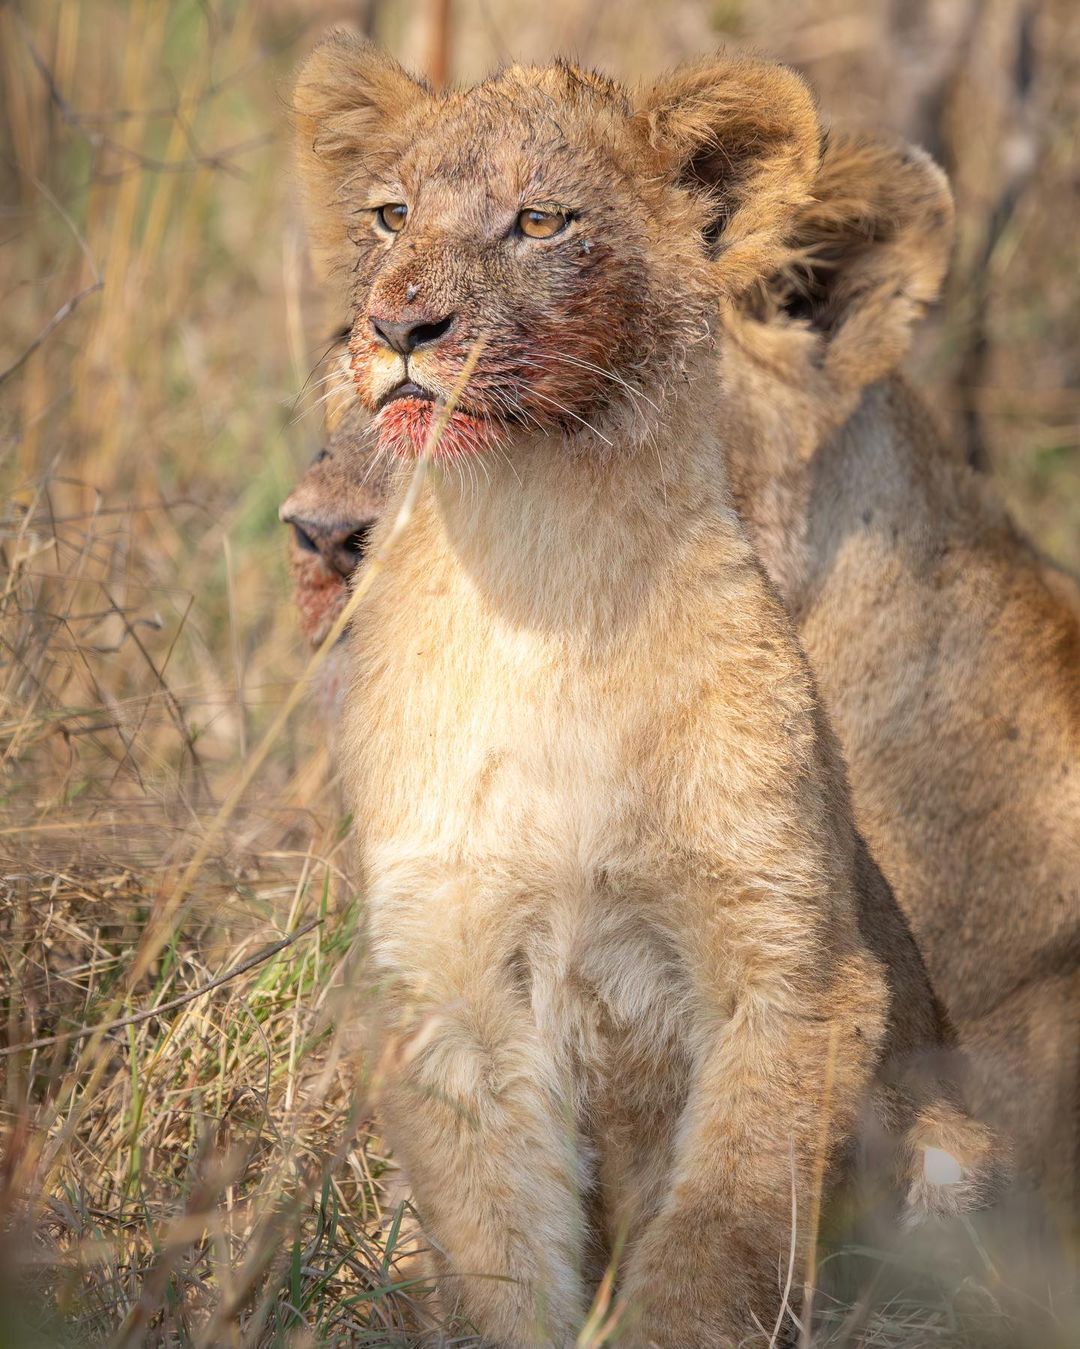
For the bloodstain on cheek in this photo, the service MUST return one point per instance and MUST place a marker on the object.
(319, 594)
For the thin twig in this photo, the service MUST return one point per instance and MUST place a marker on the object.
(785, 1301)
(61, 314)
(109, 1026)
(80, 238)
(818, 1187)
(171, 701)
(220, 159)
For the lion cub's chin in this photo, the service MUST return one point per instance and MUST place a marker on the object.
(406, 425)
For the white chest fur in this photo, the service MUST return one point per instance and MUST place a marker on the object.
(501, 818)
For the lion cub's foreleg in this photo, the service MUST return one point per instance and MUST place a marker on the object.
(481, 1119)
(777, 1085)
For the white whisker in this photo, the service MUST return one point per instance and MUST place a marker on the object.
(563, 408)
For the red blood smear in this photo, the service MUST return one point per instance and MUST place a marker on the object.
(405, 423)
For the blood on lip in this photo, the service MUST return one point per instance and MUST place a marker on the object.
(405, 423)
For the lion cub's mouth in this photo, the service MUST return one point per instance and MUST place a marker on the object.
(405, 416)
(406, 389)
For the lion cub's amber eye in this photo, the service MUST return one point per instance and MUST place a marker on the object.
(392, 217)
(542, 224)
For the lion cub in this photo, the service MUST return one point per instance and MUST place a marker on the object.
(633, 969)
(331, 511)
(946, 650)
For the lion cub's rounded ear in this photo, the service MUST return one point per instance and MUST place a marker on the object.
(870, 252)
(349, 99)
(745, 135)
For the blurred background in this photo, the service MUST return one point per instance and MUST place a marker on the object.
(159, 352)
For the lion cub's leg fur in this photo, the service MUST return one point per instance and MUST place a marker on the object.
(476, 1102)
(631, 965)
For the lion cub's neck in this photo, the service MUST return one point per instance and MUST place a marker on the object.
(577, 544)
(551, 605)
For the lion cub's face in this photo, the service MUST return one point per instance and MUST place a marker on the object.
(516, 213)
(580, 233)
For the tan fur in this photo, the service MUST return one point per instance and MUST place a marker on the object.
(616, 901)
(946, 650)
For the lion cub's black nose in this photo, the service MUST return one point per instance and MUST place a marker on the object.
(340, 543)
(406, 337)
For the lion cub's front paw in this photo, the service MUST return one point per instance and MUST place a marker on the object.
(669, 1314)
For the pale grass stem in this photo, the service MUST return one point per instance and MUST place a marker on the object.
(785, 1300)
(817, 1191)
(602, 1322)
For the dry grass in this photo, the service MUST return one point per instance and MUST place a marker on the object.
(208, 1174)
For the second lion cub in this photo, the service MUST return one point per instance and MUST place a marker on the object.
(633, 968)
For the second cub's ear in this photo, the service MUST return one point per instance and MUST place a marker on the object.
(744, 135)
(870, 253)
(349, 104)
